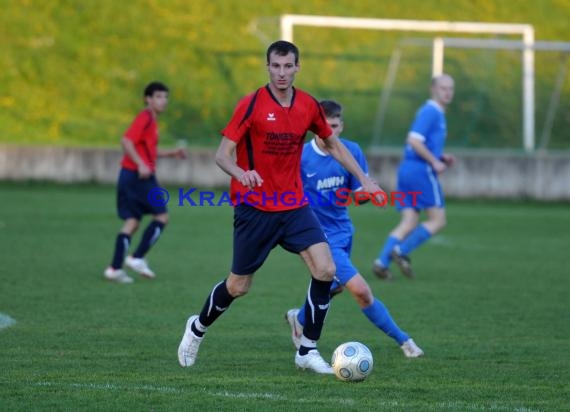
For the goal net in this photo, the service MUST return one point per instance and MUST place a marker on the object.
(382, 76)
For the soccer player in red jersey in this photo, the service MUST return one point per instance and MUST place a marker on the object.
(136, 183)
(266, 134)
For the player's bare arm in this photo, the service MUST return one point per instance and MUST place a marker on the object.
(345, 158)
(178, 153)
(225, 160)
(421, 149)
(129, 148)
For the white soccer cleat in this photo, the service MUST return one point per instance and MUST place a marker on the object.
(313, 361)
(188, 349)
(296, 327)
(140, 266)
(411, 350)
(117, 275)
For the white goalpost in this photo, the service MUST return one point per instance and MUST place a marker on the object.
(525, 31)
(440, 43)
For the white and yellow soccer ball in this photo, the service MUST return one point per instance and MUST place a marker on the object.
(352, 362)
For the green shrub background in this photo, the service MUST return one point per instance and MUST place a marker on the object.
(72, 72)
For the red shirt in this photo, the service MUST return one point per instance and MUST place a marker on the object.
(270, 140)
(143, 132)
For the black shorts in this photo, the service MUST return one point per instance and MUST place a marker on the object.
(257, 232)
(132, 196)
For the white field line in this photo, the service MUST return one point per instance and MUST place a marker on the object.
(169, 389)
(436, 406)
(6, 321)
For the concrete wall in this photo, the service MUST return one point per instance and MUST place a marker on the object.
(476, 174)
(70, 165)
(492, 174)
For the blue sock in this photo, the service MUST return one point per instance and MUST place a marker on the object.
(414, 240)
(378, 314)
(121, 246)
(150, 236)
(301, 315)
(389, 245)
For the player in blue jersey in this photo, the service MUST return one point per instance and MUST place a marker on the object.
(322, 177)
(423, 161)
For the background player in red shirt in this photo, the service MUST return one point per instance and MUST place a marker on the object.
(136, 180)
(261, 150)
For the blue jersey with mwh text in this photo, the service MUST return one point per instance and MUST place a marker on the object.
(431, 128)
(322, 176)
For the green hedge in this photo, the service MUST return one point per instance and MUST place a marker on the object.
(72, 71)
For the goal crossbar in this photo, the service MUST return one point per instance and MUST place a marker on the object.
(290, 20)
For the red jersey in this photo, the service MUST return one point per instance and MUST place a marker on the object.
(270, 140)
(143, 132)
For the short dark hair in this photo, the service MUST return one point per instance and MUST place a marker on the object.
(153, 87)
(331, 108)
(283, 48)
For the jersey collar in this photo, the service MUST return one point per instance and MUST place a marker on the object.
(275, 98)
(317, 149)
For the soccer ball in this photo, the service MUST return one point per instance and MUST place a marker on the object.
(352, 362)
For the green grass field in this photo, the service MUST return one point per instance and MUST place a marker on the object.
(489, 307)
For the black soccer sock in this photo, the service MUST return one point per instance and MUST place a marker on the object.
(121, 247)
(316, 308)
(149, 238)
(216, 304)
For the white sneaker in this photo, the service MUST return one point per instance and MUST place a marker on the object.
(188, 349)
(117, 275)
(411, 350)
(296, 327)
(313, 361)
(140, 266)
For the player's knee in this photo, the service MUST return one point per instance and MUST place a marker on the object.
(238, 292)
(164, 218)
(363, 297)
(237, 289)
(440, 223)
(130, 226)
(328, 271)
(324, 271)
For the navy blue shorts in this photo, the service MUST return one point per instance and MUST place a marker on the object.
(257, 232)
(132, 196)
